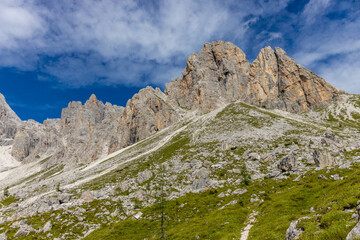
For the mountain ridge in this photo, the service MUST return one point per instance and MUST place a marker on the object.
(219, 74)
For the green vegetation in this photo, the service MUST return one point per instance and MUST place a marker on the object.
(8, 200)
(6, 191)
(283, 202)
(291, 200)
(245, 175)
(186, 218)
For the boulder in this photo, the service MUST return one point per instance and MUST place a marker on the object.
(287, 163)
(293, 232)
(144, 176)
(47, 227)
(323, 159)
(354, 234)
(21, 233)
(3, 236)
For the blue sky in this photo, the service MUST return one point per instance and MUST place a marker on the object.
(53, 52)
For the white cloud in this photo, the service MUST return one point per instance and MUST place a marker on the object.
(123, 35)
(313, 10)
(18, 21)
(343, 72)
(330, 47)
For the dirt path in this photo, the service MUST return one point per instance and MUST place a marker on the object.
(250, 223)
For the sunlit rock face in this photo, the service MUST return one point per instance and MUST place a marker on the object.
(220, 73)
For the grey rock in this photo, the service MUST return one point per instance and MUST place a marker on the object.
(354, 233)
(221, 195)
(146, 113)
(336, 177)
(323, 159)
(47, 227)
(201, 184)
(239, 191)
(287, 163)
(293, 232)
(355, 217)
(21, 233)
(88, 196)
(64, 198)
(138, 215)
(3, 236)
(9, 122)
(220, 73)
(144, 176)
(201, 173)
(254, 198)
(254, 156)
(321, 176)
(228, 204)
(330, 135)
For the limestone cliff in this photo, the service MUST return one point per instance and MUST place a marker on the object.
(220, 73)
(145, 114)
(9, 122)
(83, 134)
(87, 132)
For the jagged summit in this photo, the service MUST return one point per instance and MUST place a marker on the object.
(220, 73)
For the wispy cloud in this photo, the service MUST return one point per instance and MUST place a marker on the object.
(330, 44)
(313, 10)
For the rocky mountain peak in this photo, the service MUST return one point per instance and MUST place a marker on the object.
(220, 74)
(9, 121)
(145, 114)
(92, 100)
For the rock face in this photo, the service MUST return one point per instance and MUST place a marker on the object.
(83, 134)
(323, 159)
(87, 132)
(9, 122)
(145, 114)
(220, 74)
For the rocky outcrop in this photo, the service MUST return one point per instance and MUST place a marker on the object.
(220, 73)
(9, 122)
(287, 163)
(87, 132)
(354, 233)
(145, 114)
(323, 159)
(83, 134)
